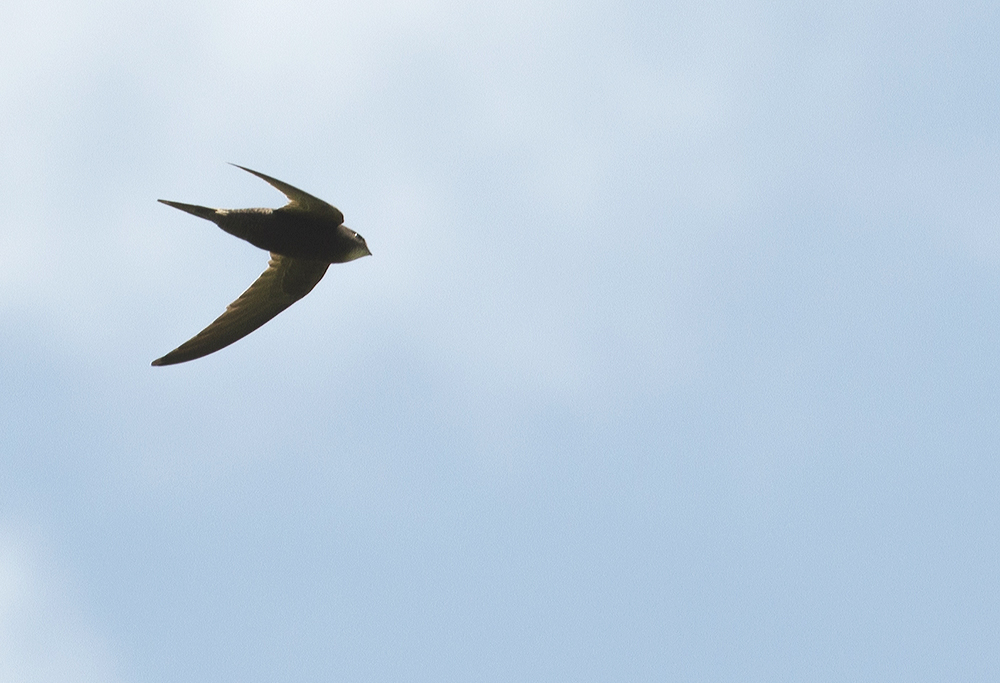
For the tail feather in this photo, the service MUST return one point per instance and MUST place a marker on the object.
(199, 211)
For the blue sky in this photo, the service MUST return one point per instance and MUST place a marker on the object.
(676, 358)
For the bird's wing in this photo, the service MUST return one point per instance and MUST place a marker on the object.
(297, 199)
(285, 281)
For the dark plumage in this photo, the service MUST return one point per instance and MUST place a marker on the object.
(304, 237)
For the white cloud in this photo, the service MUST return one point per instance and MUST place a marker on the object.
(43, 637)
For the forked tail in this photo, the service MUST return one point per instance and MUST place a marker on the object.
(199, 211)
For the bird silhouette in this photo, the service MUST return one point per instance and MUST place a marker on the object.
(304, 237)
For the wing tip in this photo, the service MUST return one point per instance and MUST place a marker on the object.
(244, 168)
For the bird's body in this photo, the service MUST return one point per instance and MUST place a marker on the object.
(304, 237)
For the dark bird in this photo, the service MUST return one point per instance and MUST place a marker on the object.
(304, 237)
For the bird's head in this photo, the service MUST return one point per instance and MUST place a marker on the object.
(360, 247)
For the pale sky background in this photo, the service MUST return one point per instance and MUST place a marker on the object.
(676, 360)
